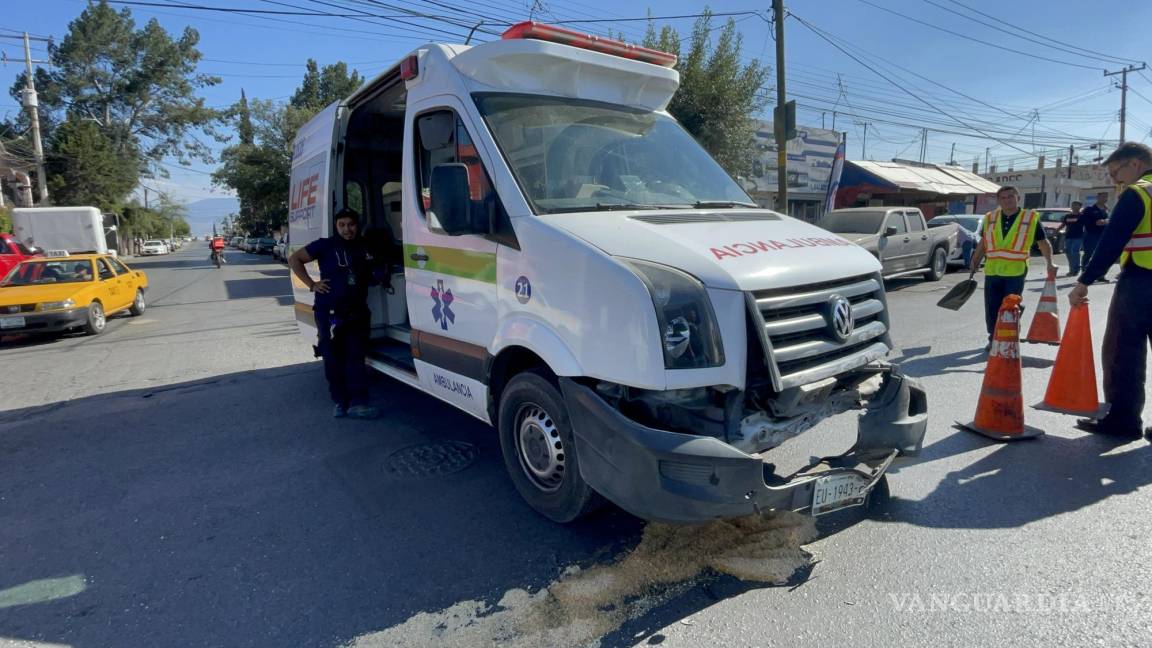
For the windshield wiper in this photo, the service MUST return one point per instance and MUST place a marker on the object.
(721, 204)
(612, 207)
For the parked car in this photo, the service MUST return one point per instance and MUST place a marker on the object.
(281, 250)
(235, 241)
(264, 245)
(154, 248)
(12, 252)
(972, 222)
(57, 294)
(898, 237)
(1051, 219)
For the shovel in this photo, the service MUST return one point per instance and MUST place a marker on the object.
(958, 296)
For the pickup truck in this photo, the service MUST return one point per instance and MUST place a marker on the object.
(12, 252)
(898, 237)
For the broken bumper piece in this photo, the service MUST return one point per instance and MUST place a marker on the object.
(683, 478)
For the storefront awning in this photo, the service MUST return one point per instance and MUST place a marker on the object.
(944, 180)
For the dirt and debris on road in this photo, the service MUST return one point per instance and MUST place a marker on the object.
(586, 604)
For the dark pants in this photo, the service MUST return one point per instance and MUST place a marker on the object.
(995, 290)
(966, 253)
(343, 348)
(1125, 353)
(1072, 248)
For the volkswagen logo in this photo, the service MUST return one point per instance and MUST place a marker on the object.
(840, 317)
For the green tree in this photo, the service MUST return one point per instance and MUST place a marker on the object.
(138, 85)
(258, 166)
(321, 87)
(719, 98)
(84, 167)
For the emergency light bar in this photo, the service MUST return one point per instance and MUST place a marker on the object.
(589, 42)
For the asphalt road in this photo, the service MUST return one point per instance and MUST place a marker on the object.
(178, 481)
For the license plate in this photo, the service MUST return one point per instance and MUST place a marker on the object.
(11, 322)
(835, 492)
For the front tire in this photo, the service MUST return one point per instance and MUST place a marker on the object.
(939, 265)
(540, 451)
(138, 304)
(97, 320)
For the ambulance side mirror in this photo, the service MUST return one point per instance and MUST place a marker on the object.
(450, 200)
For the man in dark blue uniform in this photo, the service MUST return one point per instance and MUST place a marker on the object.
(1095, 219)
(1127, 237)
(343, 320)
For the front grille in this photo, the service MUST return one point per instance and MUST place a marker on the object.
(795, 333)
(17, 308)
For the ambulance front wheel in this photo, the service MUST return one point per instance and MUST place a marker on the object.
(539, 451)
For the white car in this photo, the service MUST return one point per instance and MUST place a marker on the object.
(153, 248)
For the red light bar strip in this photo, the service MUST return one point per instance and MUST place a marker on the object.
(563, 36)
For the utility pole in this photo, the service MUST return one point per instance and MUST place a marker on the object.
(952, 155)
(1071, 152)
(781, 130)
(923, 143)
(987, 152)
(864, 143)
(32, 103)
(1124, 92)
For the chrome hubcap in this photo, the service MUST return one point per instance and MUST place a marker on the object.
(139, 301)
(98, 317)
(540, 448)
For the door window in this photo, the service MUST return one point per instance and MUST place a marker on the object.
(896, 219)
(441, 138)
(120, 267)
(106, 271)
(915, 223)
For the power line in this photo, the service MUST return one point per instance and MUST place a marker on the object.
(998, 46)
(1044, 42)
(916, 96)
(1040, 36)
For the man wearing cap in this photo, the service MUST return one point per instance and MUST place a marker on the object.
(1127, 236)
(1007, 241)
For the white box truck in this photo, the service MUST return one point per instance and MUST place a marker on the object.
(79, 230)
(568, 265)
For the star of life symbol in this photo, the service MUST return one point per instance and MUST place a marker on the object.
(442, 310)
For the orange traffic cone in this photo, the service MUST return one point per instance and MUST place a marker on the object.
(1000, 412)
(1072, 387)
(1045, 327)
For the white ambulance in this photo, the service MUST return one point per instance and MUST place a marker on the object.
(568, 265)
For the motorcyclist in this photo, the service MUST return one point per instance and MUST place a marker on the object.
(217, 246)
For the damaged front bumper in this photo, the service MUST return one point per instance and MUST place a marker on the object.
(685, 478)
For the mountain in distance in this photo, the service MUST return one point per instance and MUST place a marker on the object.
(203, 213)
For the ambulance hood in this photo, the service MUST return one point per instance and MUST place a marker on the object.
(734, 249)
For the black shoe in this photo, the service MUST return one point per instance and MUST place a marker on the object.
(1096, 427)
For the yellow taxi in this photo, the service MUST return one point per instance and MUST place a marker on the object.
(58, 293)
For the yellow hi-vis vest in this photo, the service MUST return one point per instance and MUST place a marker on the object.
(1139, 247)
(1007, 254)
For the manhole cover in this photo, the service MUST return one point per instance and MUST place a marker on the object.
(430, 459)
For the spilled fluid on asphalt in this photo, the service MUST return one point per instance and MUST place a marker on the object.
(584, 605)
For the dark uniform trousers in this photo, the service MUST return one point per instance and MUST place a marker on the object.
(1125, 352)
(343, 348)
(995, 290)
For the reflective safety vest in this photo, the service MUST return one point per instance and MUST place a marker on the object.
(1007, 254)
(1139, 247)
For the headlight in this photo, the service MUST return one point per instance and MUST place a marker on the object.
(688, 330)
(57, 305)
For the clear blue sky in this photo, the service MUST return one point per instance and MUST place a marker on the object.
(1027, 103)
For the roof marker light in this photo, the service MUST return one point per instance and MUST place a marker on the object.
(589, 42)
(409, 68)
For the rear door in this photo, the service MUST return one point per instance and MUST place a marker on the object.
(310, 202)
(918, 240)
(112, 287)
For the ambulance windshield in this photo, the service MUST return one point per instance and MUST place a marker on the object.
(571, 155)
